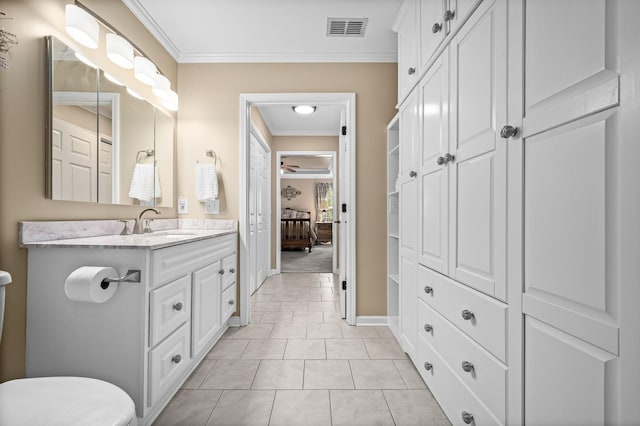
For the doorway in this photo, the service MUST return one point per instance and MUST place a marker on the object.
(306, 195)
(345, 219)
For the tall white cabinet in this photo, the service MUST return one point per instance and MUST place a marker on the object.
(517, 301)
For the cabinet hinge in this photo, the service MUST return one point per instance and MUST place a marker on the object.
(344, 285)
(344, 130)
(344, 207)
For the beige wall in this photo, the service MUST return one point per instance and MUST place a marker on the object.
(209, 119)
(22, 146)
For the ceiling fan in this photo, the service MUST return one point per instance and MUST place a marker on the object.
(288, 167)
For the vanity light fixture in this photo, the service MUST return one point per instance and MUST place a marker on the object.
(144, 70)
(162, 87)
(81, 26)
(119, 51)
(84, 60)
(134, 94)
(112, 79)
(172, 102)
(304, 109)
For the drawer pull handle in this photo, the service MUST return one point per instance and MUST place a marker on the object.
(508, 132)
(428, 289)
(221, 271)
(467, 366)
(232, 270)
(467, 315)
(177, 306)
(232, 302)
(428, 328)
(428, 366)
(176, 359)
(467, 417)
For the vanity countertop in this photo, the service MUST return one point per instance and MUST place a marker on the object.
(155, 240)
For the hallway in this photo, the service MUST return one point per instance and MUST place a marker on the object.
(300, 363)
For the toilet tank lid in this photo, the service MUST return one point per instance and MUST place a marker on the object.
(5, 278)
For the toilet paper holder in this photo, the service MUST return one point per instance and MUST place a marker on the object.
(132, 276)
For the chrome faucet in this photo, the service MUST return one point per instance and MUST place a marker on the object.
(139, 228)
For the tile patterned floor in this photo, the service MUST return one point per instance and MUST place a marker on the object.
(299, 363)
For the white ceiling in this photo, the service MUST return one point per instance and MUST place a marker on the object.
(268, 30)
(283, 121)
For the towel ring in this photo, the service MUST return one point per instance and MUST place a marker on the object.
(147, 152)
(211, 153)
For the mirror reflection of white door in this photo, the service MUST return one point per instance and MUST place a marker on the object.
(74, 162)
(342, 217)
(105, 169)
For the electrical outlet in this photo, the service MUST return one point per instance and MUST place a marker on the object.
(183, 205)
(212, 207)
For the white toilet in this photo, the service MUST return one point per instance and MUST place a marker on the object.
(68, 401)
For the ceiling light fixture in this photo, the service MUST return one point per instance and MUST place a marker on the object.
(162, 87)
(304, 109)
(144, 70)
(112, 79)
(81, 26)
(119, 51)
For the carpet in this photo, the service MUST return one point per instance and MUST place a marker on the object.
(319, 260)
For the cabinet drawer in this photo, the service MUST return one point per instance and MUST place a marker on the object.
(167, 363)
(486, 322)
(229, 265)
(488, 377)
(170, 307)
(173, 262)
(228, 303)
(452, 395)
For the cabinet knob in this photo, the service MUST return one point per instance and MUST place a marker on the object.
(467, 366)
(428, 289)
(440, 161)
(508, 132)
(467, 417)
(428, 366)
(412, 173)
(232, 270)
(448, 158)
(467, 315)
(448, 15)
(411, 71)
(221, 271)
(177, 306)
(232, 302)
(436, 28)
(428, 328)
(176, 359)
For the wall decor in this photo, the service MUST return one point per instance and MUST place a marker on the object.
(290, 192)
(7, 40)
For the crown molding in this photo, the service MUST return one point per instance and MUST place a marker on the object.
(280, 57)
(150, 24)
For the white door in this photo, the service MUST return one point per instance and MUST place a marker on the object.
(408, 188)
(206, 312)
(75, 163)
(433, 28)
(341, 217)
(433, 231)
(408, 60)
(253, 216)
(478, 165)
(105, 181)
(565, 160)
(262, 210)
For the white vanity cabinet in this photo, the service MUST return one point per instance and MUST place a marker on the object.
(149, 336)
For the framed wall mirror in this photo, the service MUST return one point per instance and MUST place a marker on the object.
(104, 143)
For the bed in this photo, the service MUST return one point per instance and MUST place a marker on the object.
(295, 230)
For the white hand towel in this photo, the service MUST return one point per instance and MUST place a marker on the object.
(144, 182)
(206, 182)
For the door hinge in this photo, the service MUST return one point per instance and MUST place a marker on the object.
(344, 285)
(344, 130)
(344, 207)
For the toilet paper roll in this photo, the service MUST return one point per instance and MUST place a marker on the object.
(85, 284)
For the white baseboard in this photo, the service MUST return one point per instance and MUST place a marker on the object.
(234, 321)
(371, 321)
(274, 272)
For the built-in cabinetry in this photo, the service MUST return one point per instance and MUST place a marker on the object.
(150, 335)
(511, 301)
(393, 226)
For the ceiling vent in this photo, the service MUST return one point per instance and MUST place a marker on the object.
(346, 27)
